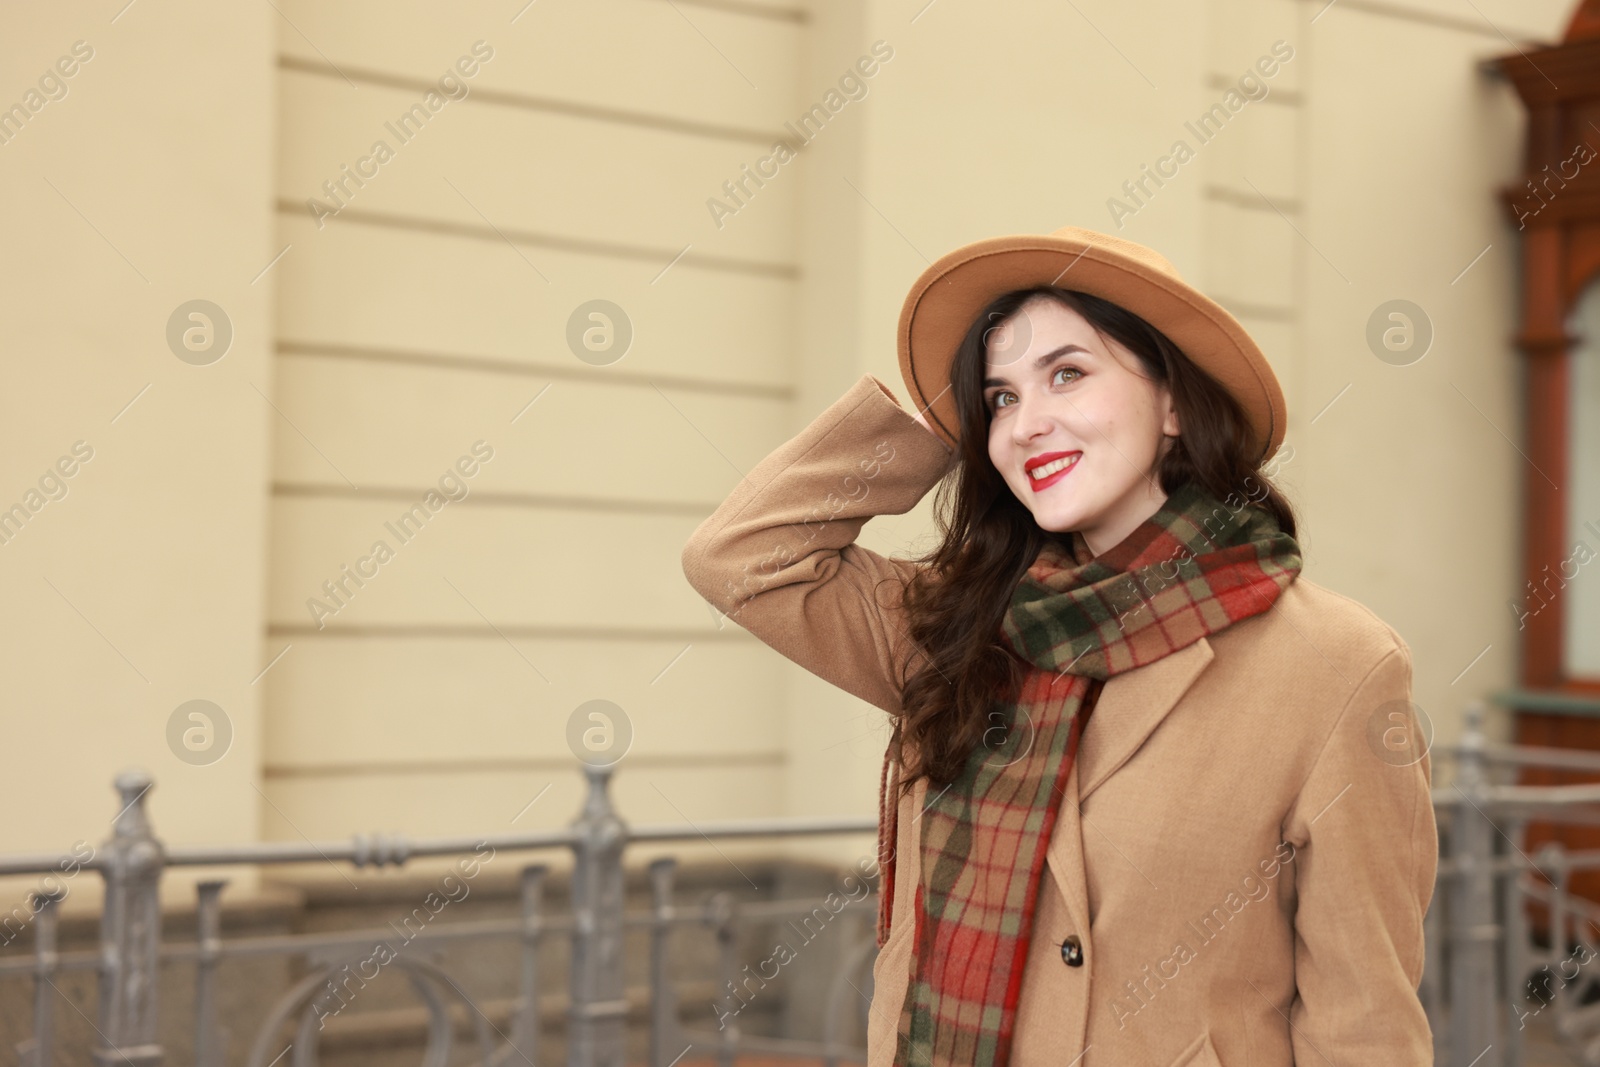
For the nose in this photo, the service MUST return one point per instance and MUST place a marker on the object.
(1030, 420)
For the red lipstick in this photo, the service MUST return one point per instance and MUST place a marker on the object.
(1049, 461)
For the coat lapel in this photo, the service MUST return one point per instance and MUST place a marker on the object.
(1130, 707)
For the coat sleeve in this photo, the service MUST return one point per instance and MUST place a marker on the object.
(779, 555)
(1367, 851)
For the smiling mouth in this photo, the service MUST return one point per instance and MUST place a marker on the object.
(1048, 469)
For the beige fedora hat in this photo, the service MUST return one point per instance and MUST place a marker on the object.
(951, 293)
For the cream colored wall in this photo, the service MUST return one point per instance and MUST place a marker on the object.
(432, 309)
(146, 186)
(428, 314)
(1412, 483)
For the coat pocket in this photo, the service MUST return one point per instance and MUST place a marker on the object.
(1200, 1053)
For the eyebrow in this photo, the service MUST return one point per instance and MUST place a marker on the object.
(1041, 361)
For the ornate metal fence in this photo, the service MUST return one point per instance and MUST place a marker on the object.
(1488, 982)
(131, 950)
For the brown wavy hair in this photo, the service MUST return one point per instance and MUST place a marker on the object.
(956, 602)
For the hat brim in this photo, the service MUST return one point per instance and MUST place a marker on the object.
(945, 300)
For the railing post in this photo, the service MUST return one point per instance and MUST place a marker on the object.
(208, 1038)
(38, 1050)
(1559, 870)
(663, 999)
(130, 932)
(596, 1027)
(1515, 951)
(723, 914)
(1474, 934)
(527, 1028)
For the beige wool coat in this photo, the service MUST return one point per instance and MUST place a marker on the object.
(1247, 846)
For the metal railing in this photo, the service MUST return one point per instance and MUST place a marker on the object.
(131, 951)
(1485, 974)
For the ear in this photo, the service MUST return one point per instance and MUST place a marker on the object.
(1169, 415)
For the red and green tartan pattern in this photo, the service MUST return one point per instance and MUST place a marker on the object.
(1193, 568)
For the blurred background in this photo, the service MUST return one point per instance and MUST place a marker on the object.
(518, 291)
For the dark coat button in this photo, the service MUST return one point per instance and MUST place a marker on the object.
(1072, 951)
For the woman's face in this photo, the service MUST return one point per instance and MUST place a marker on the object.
(1075, 427)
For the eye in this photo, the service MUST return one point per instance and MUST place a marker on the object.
(997, 400)
(1055, 377)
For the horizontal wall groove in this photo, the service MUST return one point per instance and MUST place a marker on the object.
(1281, 97)
(1251, 201)
(1399, 12)
(473, 632)
(552, 764)
(486, 498)
(496, 365)
(528, 102)
(659, 258)
(796, 15)
(1264, 312)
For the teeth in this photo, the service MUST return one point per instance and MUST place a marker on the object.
(1040, 473)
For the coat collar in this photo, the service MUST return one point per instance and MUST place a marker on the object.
(1129, 708)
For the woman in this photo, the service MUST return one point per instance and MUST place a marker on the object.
(1151, 797)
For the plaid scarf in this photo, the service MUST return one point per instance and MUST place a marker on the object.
(1194, 567)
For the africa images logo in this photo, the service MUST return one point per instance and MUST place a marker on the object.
(1252, 85)
(852, 86)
